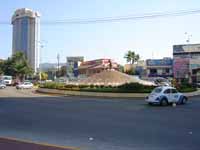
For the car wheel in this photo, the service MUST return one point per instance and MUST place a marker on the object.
(163, 102)
(184, 100)
(150, 103)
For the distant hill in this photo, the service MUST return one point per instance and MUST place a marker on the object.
(47, 66)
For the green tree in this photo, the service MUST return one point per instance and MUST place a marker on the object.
(17, 66)
(63, 71)
(7, 67)
(44, 76)
(131, 57)
(21, 66)
(121, 68)
(1, 67)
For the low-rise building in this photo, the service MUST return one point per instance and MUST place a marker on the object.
(159, 67)
(187, 62)
(89, 68)
(138, 68)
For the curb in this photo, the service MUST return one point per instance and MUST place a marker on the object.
(100, 94)
(20, 141)
(90, 94)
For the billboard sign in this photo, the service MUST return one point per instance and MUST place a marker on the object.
(159, 62)
(75, 59)
(76, 69)
(186, 48)
(181, 67)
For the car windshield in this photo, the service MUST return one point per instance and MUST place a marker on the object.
(7, 78)
(157, 90)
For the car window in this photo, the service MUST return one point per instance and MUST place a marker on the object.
(157, 90)
(167, 91)
(174, 91)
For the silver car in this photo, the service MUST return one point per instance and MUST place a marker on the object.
(2, 85)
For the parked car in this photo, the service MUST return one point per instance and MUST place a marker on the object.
(165, 95)
(25, 85)
(7, 80)
(198, 84)
(2, 85)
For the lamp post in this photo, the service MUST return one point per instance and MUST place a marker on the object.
(58, 59)
(189, 36)
(41, 46)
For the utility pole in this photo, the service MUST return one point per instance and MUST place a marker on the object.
(58, 59)
(188, 40)
(40, 66)
(41, 45)
(188, 49)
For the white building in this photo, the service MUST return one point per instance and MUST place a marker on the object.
(26, 35)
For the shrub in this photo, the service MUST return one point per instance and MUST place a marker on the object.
(52, 85)
(136, 87)
(91, 86)
(83, 86)
(186, 87)
(101, 86)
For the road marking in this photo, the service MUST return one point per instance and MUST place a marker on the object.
(36, 143)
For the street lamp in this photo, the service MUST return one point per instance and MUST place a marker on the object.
(41, 46)
(58, 59)
(189, 36)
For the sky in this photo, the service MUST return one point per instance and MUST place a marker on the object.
(150, 38)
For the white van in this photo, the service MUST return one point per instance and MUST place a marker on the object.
(7, 80)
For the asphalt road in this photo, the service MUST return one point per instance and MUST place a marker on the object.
(99, 124)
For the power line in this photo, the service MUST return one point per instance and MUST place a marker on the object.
(118, 18)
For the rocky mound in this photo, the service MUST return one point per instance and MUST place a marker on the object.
(110, 77)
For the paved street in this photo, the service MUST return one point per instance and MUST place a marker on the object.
(99, 124)
(13, 92)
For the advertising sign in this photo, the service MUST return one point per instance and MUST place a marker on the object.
(181, 67)
(75, 59)
(186, 48)
(76, 69)
(159, 62)
(194, 63)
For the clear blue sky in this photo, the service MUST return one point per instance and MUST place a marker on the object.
(105, 40)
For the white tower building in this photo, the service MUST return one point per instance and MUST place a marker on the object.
(26, 35)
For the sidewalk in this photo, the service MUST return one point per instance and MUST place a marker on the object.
(13, 144)
(101, 94)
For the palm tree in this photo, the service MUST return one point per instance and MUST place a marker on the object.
(131, 57)
(16, 66)
(20, 66)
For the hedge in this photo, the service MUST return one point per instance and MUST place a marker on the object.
(126, 88)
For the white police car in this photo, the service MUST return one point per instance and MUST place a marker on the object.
(165, 95)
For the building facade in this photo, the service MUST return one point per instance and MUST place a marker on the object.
(138, 69)
(187, 62)
(26, 35)
(89, 68)
(159, 67)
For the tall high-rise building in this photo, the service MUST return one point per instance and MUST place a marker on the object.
(26, 35)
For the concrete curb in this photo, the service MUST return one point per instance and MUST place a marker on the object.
(101, 94)
(8, 143)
